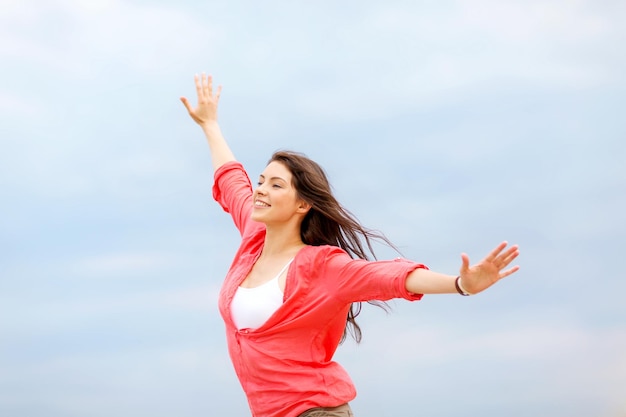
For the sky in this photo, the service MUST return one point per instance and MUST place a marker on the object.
(448, 125)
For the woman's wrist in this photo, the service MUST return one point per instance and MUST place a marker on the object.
(459, 287)
(210, 125)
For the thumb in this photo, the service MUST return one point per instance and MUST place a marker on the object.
(464, 263)
(187, 105)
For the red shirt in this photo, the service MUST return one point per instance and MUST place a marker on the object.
(285, 366)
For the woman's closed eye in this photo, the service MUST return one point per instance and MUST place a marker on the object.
(273, 185)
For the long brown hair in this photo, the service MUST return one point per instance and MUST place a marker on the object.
(328, 222)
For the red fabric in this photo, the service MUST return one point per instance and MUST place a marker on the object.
(285, 366)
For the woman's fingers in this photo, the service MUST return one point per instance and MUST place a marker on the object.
(204, 87)
(509, 256)
(495, 252)
(206, 108)
(219, 91)
(505, 258)
(209, 88)
(508, 272)
(199, 89)
(502, 259)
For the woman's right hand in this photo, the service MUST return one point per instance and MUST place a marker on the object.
(206, 111)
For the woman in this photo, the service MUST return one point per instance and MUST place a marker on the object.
(297, 278)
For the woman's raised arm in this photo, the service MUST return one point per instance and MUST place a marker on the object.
(205, 114)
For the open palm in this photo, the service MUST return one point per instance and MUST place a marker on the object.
(491, 269)
(206, 109)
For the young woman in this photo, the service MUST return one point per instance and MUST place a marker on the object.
(302, 269)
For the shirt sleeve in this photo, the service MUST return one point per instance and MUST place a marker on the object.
(233, 191)
(355, 280)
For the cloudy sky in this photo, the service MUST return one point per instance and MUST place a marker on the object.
(448, 125)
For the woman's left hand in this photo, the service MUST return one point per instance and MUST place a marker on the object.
(479, 277)
(206, 111)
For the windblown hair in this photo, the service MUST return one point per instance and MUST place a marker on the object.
(328, 222)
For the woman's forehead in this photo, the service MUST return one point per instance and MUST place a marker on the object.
(276, 169)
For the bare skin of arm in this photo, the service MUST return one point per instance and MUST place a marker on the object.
(205, 115)
(474, 279)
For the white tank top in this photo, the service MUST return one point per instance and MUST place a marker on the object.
(251, 307)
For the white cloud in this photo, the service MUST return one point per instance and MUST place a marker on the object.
(90, 39)
(49, 166)
(522, 342)
(546, 361)
(117, 383)
(558, 20)
(113, 264)
(45, 318)
(399, 56)
(16, 105)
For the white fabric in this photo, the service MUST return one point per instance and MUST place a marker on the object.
(251, 307)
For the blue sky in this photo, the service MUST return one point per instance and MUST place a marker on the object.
(450, 126)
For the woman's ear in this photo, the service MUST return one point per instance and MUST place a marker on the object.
(303, 207)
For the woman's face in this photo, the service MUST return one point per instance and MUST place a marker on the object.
(275, 199)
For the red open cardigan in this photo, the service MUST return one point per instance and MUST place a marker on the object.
(285, 366)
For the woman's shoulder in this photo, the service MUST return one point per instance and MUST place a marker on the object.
(318, 256)
(231, 169)
(311, 250)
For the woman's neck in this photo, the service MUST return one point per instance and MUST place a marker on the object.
(281, 242)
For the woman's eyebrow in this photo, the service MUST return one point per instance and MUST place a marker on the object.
(273, 178)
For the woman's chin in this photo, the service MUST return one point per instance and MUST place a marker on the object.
(256, 217)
